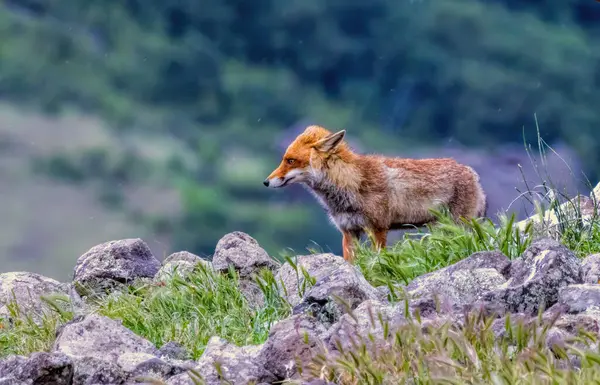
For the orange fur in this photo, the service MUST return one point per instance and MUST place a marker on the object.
(372, 193)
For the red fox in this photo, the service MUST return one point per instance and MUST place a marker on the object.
(373, 193)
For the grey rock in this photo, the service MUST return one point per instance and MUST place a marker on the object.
(252, 293)
(482, 260)
(238, 365)
(291, 282)
(536, 278)
(101, 337)
(109, 265)
(181, 263)
(181, 379)
(588, 320)
(9, 380)
(455, 288)
(26, 290)
(365, 326)
(173, 350)
(243, 252)
(40, 368)
(335, 294)
(96, 371)
(95, 343)
(292, 341)
(579, 298)
(590, 269)
(148, 366)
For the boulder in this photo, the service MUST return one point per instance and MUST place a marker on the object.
(536, 278)
(95, 343)
(579, 298)
(365, 325)
(336, 293)
(291, 281)
(292, 341)
(238, 365)
(243, 253)
(173, 350)
(590, 269)
(145, 365)
(455, 289)
(40, 368)
(26, 290)
(96, 371)
(181, 263)
(109, 265)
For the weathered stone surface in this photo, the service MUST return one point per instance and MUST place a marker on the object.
(26, 289)
(39, 368)
(252, 293)
(336, 293)
(588, 320)
(590, 269)
(292, 283)
(180, 379)
(95, 343)
(173, 350)
(239, 365)
(243, 252)
(96, 371)
(536, 278)
(364, 326)
(10, 380)
(147, 365)
(579, 298)
(181, 263)
(113, 263)
(482, 260)
(102, 337)
(458, 287)
(293, 340)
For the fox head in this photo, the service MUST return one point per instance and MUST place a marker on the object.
(297, 164)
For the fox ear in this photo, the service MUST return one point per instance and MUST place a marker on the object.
(330, 142)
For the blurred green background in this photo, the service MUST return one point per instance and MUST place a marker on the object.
(160, 119)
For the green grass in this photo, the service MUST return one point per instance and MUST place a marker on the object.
(25, 334)
(191, 310)
(187, 310)
(443, 244)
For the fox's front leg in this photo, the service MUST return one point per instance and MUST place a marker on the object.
(348, 245)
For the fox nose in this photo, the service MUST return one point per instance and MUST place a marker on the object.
(266, 182)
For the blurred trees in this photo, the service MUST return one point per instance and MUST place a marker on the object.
(228, 76)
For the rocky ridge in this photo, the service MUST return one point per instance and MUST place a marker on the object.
(333, 306)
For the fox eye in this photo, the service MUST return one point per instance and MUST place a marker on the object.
(290, 161)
